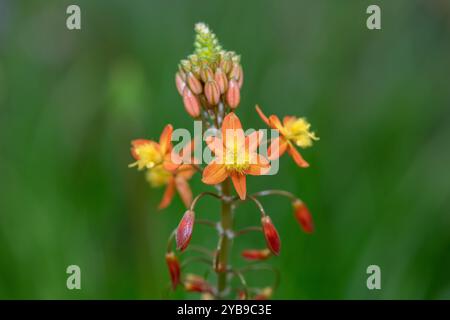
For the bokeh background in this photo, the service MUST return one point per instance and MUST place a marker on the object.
(379, 181)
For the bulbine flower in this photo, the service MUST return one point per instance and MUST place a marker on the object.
(293, 132)
(174, 268)
(271, 235)
(235, 156)
(303, 216)
(184, 230)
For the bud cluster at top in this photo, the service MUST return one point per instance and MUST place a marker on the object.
(210, 75)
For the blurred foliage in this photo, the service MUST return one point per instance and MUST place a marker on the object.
(379, 181)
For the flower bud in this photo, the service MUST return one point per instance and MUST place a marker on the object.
(206, 74)
(221, 80)
(194, 84)
(194, 283)
(186, 65)
(233, 94)
(235, 71)
(303, 216)
(212, 92)
(226, 64)
(264, 294)
(174, 268)
(184, 230)
(271, 235)
(253, 254)
(179, 81)
(191, 103)
(241, 77)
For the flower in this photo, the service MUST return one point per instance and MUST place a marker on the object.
(271, 235)
(184, 230)
(164, 166)
(195, 283)
(236, 156)
(174, 268)
(303, 216)
(253, 254)
(149, 154)
(177, 180)
(293, 132)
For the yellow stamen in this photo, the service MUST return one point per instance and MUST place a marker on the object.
(158, 176)
(149, 156)
(298, 131)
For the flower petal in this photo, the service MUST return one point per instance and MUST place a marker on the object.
(232, 126)
(214, 173)
(216, 145)
(168, 194)
(253, 140)
(259, 165)
(297, 156)
(262, 115)
(184, 190)
(240, 184)
(277, 148)
(165, 140)
(275, 123)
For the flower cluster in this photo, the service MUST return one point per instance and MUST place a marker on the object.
(209, 82)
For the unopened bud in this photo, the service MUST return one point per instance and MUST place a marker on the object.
(233, 94)
(253, 254)
(191, 103)
(271, 234)
(179, 82)
(212, 92)
(221, 79)
(264, 294)
(303, 216)
(186, 65)
(174, 268)
(184, 230)
(193, 83)
(194, 283)
(206, 74)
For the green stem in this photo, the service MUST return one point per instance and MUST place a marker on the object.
(224, 243)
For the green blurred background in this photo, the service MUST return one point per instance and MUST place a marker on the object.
(379, 181)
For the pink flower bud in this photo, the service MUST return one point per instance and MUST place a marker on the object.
(206, 74)
(212, 92)
(271, 235)
(174, 268)
(221, 79)
(233, 94)
(191, 103)
(241, 77)
(194, 84)
(226, 65)
(179, 81)
(184, 230)
(303, 216)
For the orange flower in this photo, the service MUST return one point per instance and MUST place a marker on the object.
(163, 167)
(293, 131)
(236, 156)
(174, 268)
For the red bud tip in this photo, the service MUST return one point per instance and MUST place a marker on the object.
(194, 283)
(264, 294)
(303, 216)
(174, 268)
(271, 235)
(191, 103)
(233, 94)
(184, 230)
(253, 254)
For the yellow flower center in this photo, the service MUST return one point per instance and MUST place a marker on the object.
(149, 156)
(236, 157)
(297, 130)
(158, 176)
